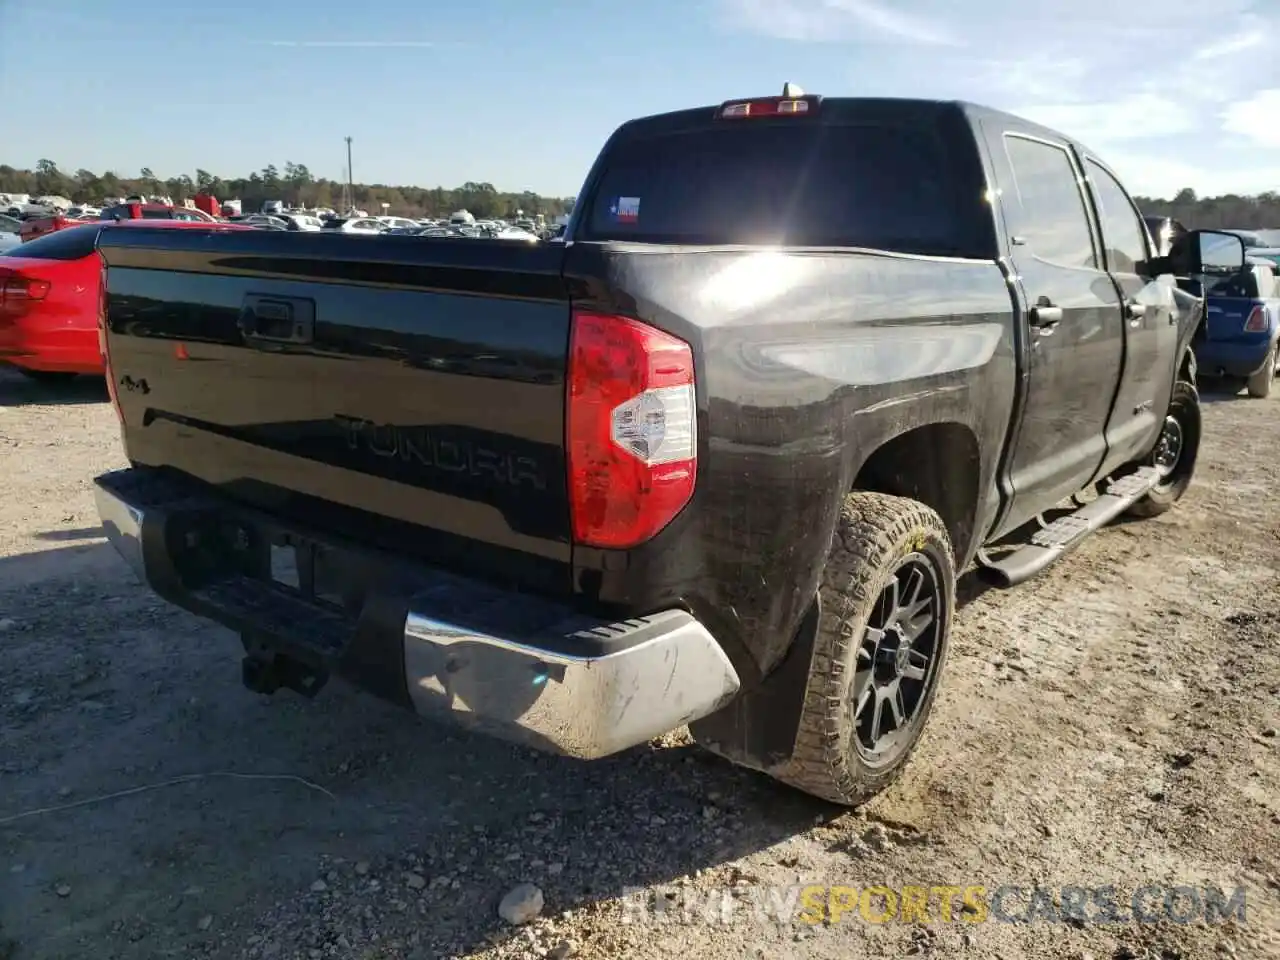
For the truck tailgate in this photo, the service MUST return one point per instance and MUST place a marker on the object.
(401, 391)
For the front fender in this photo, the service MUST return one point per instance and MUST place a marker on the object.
(1187, 370)
(1188, 314)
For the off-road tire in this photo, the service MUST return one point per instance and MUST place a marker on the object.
(874, 533)
(1259, 385)
(1185, 405)
(50, 378)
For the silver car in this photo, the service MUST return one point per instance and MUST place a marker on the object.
(9, 237)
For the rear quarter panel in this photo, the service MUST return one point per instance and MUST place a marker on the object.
(807, 363)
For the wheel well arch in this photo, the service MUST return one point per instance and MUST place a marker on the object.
(1187, 366)
(937, 464)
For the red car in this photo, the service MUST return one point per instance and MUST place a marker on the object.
(49, 299)
(39, 226)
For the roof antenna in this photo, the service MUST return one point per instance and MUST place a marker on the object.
(791, 91)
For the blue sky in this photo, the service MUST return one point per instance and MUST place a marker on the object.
(521, 93)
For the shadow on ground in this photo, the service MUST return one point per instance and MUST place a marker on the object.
(16, 390)
(107, 690)
(1214, 391)
(70, 534)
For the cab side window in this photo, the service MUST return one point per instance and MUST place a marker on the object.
(1049, 211)
(1123, 234)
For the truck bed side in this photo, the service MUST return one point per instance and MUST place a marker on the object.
(816, 370)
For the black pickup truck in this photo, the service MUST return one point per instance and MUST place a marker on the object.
(714, 460)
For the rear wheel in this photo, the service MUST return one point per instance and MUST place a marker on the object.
(886, 603)
(1259, 384)
(51, 377)
(1175, 452)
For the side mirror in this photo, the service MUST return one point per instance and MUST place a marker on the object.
(1207, 252)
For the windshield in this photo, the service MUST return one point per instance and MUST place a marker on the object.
(865, 185)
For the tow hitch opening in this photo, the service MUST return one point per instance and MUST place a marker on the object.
(267, 671)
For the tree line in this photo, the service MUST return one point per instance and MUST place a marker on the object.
(294, 184)
(1261, 212)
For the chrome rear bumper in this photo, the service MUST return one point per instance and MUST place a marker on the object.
(584, 689)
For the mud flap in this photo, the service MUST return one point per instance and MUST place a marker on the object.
(758, 729)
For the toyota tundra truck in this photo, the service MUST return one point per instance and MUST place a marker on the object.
(714, 460)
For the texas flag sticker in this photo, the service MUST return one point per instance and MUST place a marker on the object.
(626, 209)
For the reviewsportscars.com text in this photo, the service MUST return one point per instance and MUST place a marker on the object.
(815, 904)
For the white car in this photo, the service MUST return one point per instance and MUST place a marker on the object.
(398, 223)
(304, 222)
(360, 226)
(516, 233)
(1270, 254)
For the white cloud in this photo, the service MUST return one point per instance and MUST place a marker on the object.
(1135, 117)
(835, 21)
(1151, 81)
(1156, 175)
(1253, 33)
(354, 44)
(1257, 118)
(895, 23)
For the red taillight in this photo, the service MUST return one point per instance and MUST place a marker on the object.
(17, 293)
(632, 430)
(23, 289)
(1257, 322)
(768, 107)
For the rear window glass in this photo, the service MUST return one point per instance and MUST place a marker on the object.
(856, 185)
(69, 244)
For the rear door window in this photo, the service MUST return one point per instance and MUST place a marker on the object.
(1123, 235)
(69, 244)
(797, 184)
(1049, 210)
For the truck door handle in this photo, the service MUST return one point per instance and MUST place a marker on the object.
(1045, 314)
(271, 319)
(1135, 310)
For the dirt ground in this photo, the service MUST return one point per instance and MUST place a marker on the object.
(1112, 723)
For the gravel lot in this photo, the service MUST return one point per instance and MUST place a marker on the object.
(1113, 722)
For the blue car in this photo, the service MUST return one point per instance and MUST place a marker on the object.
(1237, 341)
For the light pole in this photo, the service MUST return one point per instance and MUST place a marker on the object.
(351, 179)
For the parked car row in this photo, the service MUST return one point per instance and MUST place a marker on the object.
(50, 294)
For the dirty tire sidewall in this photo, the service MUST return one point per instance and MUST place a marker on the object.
(1185, 405)
(1259, 385)
(874, 533)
